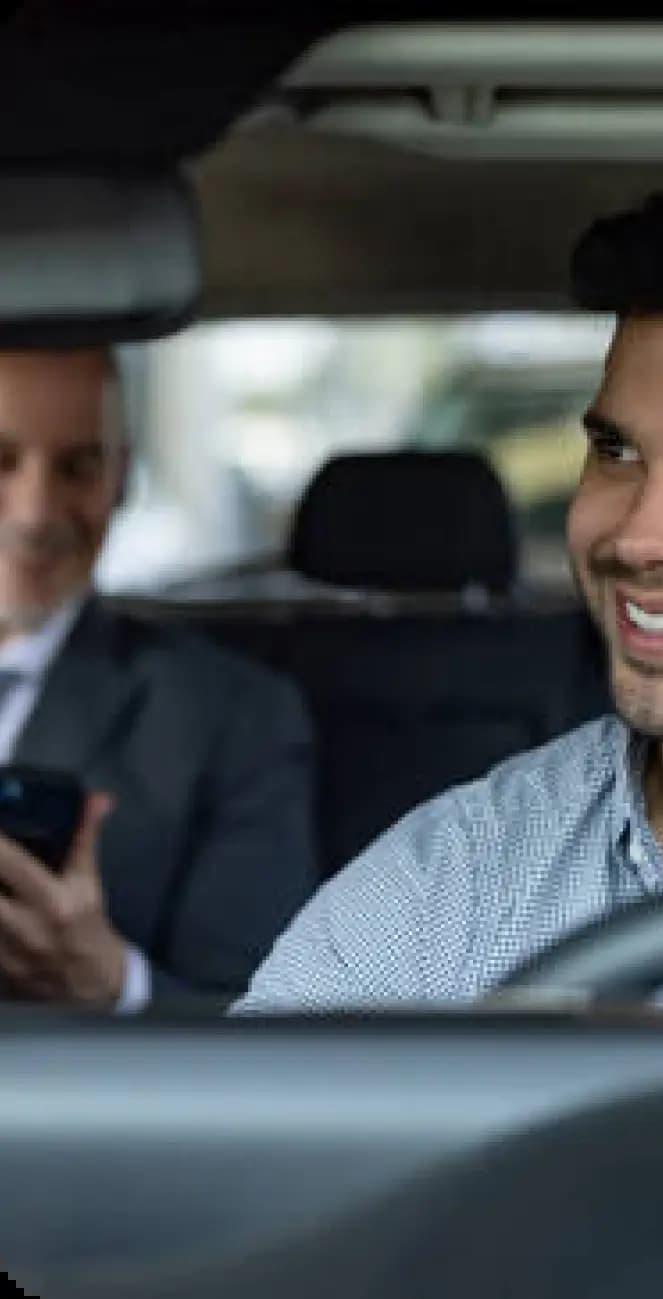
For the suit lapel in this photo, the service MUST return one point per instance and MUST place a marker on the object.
(87, 689)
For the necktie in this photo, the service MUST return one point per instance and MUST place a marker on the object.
(9, 677)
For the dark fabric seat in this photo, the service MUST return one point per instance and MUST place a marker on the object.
(409, 707)
(412, 690)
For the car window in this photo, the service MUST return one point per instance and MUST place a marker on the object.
(231, 419)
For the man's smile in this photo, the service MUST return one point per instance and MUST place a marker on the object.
(639, 623)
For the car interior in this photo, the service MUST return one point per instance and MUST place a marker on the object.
(172, 169)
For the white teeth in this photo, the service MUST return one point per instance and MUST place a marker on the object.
(644, 621)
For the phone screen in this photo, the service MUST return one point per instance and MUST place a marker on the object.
(41, 810)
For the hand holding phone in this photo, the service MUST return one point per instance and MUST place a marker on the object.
(41, 809)
(57, 942)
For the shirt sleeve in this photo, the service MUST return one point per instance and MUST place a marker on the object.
(137, 989)
(366, 938)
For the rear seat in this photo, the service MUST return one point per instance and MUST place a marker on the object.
(422, 668)
(411, 705)
(452, 672)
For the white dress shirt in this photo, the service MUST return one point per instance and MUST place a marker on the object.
(31, 655)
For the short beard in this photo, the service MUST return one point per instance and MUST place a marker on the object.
(634, 703)
(639, 706)
(24, 620)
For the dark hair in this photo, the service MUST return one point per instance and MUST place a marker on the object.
(617, 264)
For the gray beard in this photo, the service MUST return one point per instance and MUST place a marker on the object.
(25, 619)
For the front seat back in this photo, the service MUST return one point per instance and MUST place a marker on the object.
(442, 674)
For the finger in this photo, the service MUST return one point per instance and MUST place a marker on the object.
(19, 982)
(25, 876)
(82, 855)
(23, 931)
(13, 966)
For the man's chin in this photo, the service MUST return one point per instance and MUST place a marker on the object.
(637, 691)
(26, 613)
(16, 620)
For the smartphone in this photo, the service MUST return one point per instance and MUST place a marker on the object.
(41, 810)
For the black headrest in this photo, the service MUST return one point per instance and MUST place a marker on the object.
(406, 521)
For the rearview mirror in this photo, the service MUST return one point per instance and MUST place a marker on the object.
(87, 259)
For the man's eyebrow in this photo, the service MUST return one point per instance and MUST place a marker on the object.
(93, 444)
(92, 449)
(594, 423)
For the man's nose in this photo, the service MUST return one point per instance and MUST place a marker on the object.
(639, 539)
(31, 500)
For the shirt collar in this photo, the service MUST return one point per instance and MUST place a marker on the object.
(630, 756)
(32, 654)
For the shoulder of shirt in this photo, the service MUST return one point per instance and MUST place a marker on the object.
(567, 768)
(552, 786)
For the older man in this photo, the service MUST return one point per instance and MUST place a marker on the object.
(199, 764)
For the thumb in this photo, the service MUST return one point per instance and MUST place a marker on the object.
(82, 854)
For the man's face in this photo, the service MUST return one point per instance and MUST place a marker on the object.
(61, 467)
(615, 524)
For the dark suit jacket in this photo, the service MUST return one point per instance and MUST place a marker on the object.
(210, 849)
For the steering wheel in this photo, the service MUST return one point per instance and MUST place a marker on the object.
(618, 957)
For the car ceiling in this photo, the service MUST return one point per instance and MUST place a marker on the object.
(295, 223)
(107, 82)
(294, 220)
(115, 83)
(431, 167)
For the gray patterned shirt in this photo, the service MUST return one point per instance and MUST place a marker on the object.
(465, 887)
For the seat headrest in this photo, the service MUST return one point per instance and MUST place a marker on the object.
(406, 521)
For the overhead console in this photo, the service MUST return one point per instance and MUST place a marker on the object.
(507, 90)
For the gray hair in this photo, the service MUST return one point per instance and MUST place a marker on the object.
(126, 391)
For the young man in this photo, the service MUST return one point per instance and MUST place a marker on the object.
(466, 887)
(200, 763)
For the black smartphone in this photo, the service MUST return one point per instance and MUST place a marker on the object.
(41, 810)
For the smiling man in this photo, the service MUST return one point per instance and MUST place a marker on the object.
(199, 764)
(615, 526)
(469, 885)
